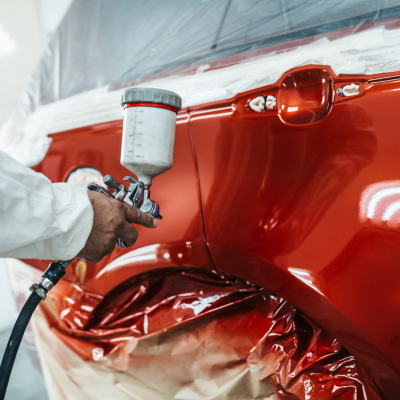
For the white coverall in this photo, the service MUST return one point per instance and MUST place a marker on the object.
(40, 219)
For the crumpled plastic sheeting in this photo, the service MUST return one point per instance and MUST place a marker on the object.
(100, 47)
(190, 334)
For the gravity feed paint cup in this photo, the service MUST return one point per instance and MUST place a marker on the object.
(148, 135)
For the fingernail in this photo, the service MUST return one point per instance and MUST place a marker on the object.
(155, 222)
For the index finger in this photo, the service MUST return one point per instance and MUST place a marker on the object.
(135, 216)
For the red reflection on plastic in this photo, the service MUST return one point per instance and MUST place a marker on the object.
(240, 324)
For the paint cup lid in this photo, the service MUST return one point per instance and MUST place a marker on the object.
(150, 95)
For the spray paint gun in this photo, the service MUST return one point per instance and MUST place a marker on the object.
(136, 195)
(148, 138)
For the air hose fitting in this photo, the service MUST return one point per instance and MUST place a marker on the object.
(50, 278)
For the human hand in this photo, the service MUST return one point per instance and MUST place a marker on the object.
(112, 220)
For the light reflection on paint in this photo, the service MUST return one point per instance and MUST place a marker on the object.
(146, 253)
(377, 197)
(304, 276)
(212, 115)
(391, 211)
(380, 204)
(182, 118)
(221, 114)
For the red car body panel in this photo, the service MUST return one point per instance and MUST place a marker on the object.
(278, 197)
(279, 205)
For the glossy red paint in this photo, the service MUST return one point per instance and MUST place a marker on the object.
(281, 209)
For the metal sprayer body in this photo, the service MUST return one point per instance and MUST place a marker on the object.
(137, 195)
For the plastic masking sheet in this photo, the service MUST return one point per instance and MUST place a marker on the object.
(202, 49)
(188, 334)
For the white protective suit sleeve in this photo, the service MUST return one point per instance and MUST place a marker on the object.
(40, 219)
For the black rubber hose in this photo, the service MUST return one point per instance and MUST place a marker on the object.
(15, 340)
